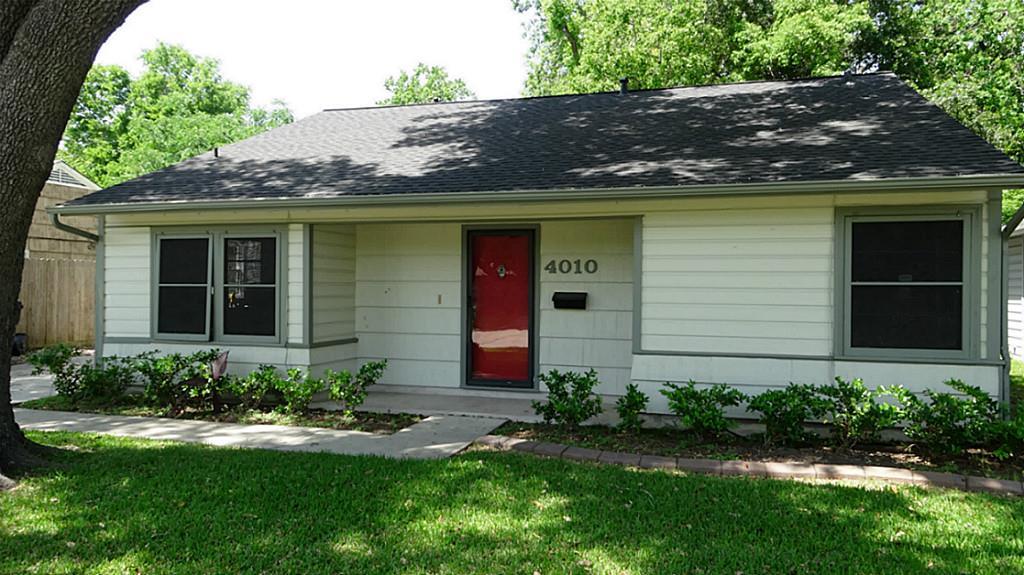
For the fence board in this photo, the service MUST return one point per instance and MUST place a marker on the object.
(59, 302)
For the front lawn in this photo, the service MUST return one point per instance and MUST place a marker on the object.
(117, 505)
(381, 423)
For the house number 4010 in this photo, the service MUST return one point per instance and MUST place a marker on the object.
(571, 267)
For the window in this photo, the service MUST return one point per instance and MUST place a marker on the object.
(240, 301)
(905, 285)
(250, 296)
(183, 286)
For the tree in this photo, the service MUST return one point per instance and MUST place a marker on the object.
(425, 84)
(587, 45)
(178, 107)
(967, 56)
(46, 49)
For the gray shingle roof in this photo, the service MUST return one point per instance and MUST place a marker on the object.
(858, 128)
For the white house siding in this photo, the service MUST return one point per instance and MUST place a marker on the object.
(334, 282)
(1015, 295)
(126, 273)
(600, 336)
(721, 282)
(408, 298)
(738, 281)
(295, 262)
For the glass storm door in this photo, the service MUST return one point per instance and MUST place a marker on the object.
(500, 304)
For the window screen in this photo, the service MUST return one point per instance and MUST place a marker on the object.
(250, 290)
(906, 285)
(183, 286)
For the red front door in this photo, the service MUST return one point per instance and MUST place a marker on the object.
(500, 303)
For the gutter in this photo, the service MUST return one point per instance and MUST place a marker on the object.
(55, 220)
(946, 183)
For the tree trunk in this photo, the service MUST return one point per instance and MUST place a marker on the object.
(46, 49)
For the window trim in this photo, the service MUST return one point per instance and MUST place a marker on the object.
(970, 215)
(214, 305)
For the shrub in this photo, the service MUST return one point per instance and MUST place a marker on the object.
(947, 424)
(702, 410)
(854, 414)
(1008, 437)
(106, 382)
(57, 359)
(571, 400)
(176, 381)
(254, 387)
(784, 411)
(351, 391)
(297, 390)
(630, 406)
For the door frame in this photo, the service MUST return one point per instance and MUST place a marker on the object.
(532, 231)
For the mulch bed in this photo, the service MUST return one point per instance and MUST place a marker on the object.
(671, 442)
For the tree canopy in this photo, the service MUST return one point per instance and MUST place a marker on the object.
(178, 107)
(967, 56)
(423, 85)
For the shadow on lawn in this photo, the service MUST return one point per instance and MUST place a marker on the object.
(184, 508)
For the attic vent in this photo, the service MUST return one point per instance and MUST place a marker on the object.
(61, 175)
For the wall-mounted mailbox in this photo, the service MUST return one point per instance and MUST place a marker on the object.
(570, 300)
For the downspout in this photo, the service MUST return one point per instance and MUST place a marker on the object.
(55, 220)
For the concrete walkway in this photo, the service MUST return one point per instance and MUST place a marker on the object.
(25, 386)
(436, 437)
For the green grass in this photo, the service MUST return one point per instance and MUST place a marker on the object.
(115, 505)
(381, 423)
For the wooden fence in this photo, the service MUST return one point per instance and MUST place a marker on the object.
(59, 303)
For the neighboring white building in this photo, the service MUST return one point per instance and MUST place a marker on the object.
(752, 234)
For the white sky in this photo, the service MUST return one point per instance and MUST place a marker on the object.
(317, 54)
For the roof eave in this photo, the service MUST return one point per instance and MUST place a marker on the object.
(943, 183)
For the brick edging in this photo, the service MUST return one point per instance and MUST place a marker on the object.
(757, 468)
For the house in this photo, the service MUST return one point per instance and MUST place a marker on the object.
(753, 234)
(1015, 293)
(57, 288)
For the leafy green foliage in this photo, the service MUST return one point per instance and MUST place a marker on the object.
(351, 391)
(967, 56)
(784, 411)
(176, 381)
(252, 389)
(180, 106)
(854, 413)
(571, 399)
(951, 423)
(629, 408)
(297, 390)
(702, 409)
(107, 381)
(56, 359)
(423, 85)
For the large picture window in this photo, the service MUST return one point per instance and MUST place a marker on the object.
(905, 284)
(239, 302)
